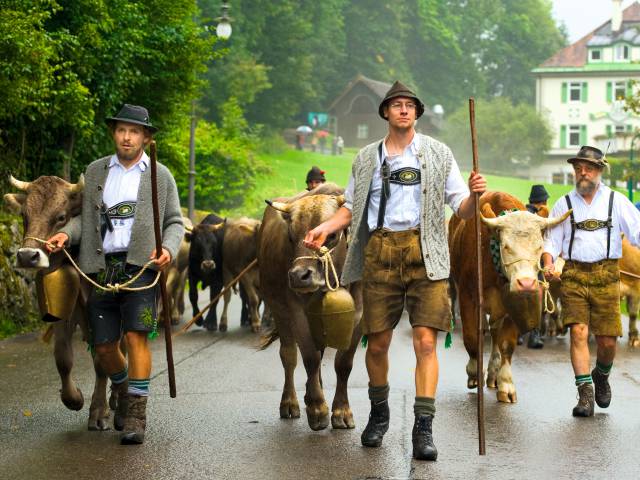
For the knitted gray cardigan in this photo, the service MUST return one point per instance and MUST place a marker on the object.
(86, 226)
(435, 160)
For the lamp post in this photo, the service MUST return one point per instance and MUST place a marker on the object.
(223, 32)
(630, 179)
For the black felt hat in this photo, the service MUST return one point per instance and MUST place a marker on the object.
(133, 114)
(316, 174)
(399, 89)
(590, 154)
(538, 194)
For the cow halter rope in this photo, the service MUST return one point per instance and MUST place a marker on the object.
(163, 276)
(323, 255)
(480, 333)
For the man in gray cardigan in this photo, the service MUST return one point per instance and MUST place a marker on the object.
(395, 205)
(115, 233)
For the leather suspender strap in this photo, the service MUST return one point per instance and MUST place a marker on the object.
(609, 222)
(386, 188)
(573, 224)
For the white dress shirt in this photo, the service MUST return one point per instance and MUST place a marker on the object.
(403, 205)
(121, 186)
(591, 246)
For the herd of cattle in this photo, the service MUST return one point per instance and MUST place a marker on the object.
(286, 276)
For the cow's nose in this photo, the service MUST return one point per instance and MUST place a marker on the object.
(526, 284)
(208, 265)
(29, 257)
(300, 276)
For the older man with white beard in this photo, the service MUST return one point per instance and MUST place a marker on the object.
(591, 245)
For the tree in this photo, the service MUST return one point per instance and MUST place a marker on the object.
(509, 136)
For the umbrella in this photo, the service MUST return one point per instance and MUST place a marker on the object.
(304, 129)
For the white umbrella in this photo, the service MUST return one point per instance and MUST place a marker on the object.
(304, 129)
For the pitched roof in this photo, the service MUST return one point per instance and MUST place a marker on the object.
(575, 55)
(378, 88)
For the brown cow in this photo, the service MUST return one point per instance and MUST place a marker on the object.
(239, 250)
(287, 282)
(46, 205)
(630, 287)
(177, 277)
(511, 299)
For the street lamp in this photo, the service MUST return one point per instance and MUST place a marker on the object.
(630, 179)
(223, 32)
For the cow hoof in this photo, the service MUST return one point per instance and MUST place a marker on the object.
(255, 328)
(492, 382)
(506, 397)
(73, 402)
(223, 327)
(289, 410)
(472, 383)
(99, 425)
(199, 321)
(342, 418)
(212, 327)
(634, 342)
(318, 417)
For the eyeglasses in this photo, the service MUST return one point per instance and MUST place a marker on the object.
(399, 105)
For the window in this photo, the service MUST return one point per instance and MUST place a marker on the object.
(622, 52)
(575, 91)
(619, 90)
(574, 135)
(596, 55)
(363, 131)
(619, 128)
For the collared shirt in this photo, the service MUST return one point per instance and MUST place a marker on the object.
(591, 246)
(121, 186)
(403, 205)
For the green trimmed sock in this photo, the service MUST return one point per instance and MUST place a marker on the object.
(379, 394)
(424, 406)
(604, 369)
(139, 387)
(586, 378)
(120, 377)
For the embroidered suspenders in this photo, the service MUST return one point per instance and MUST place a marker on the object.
(591, 225)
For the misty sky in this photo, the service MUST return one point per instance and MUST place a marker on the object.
(582, 16)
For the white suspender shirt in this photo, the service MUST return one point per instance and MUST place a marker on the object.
(403, 205)
(591, 246)
(121, 186)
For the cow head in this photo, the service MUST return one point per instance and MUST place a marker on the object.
(46, 205)
(521, 245)
(307, 273)
(206, 246)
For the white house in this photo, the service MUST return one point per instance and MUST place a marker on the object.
(581, 91)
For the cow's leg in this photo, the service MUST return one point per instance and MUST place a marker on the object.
(253, 302)
(494, 360)
(211, 320)
(193, 297)
(507, 338)
(70, 395)
(632, 307)
(341, 415)
(99, 409)
(470, 338)
(245, 314)
(223, 319)
(289, 407)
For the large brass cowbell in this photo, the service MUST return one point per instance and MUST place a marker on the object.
(57, 293)
(331, 318)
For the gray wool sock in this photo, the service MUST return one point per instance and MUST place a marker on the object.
(424, 406)
(379, 394)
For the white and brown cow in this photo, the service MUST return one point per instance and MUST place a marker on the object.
(47, 204)
(288, 279)
(512, 298)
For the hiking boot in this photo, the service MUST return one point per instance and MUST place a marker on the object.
(422, 437)
(378, 424)
(535, 341)
(135, 421)
(584, 408)
(603, 390)
(122, 404)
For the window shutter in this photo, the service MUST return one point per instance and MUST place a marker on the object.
(629, 127)
(629, 88)
(609, 92)
(583, 135)
(564, 92)
(609, 131)
(584, 93)
(563, 136)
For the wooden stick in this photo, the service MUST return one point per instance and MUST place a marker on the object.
(215, 299)
(478, 234)
(163, 277)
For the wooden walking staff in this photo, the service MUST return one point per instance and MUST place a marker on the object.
(478, 232)
(163, 277)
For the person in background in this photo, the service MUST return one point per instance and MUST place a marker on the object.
(315, 177)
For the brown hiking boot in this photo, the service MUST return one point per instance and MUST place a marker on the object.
(122, 404)
(135, 421)
(584, 408)
(603, 390)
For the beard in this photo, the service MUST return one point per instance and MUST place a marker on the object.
(586, 187)
(128, 155)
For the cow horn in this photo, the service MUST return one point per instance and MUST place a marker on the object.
(19, 184)
(340, 199)
(283, 207)
(490, 222)
(78, 187)
(552, 222)
(216, 227)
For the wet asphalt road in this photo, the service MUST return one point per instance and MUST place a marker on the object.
(224, 423)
